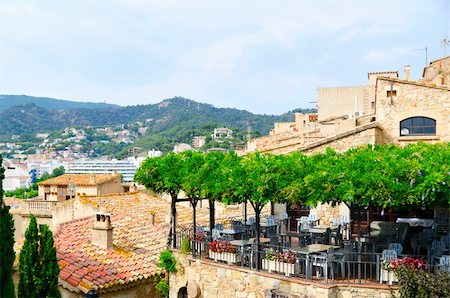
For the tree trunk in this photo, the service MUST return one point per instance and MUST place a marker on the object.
(257, 209)
(245, 212)
(173, 223)
(194, 229)
(212, 218)
(359, 243)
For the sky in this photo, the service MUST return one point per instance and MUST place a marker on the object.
(263, 56)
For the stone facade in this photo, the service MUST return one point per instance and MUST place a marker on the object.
(354, 116)
(412, 99)
(143, 290)
(209, 279)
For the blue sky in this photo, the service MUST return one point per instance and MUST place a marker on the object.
(262, 56)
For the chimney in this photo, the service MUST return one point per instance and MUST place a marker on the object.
(102, 231)
(152, 219)
(92, 179)
(407, 72)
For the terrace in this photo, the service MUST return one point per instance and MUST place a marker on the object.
(398, 202)
(327, 255)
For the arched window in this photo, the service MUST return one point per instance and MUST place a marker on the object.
(417, 126)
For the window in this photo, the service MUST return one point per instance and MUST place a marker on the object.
(390, 93)
(418, 126)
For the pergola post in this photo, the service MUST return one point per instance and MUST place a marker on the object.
(212, 215)
(173, 214)
(257, 209)
(194, 229)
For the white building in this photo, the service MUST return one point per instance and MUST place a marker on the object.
(17, 177)
(154, 153)
(126, 168)
(222, 132)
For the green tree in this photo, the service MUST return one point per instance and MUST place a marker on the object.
(7, 254)
(163, 175)
(29, 263)
(58, 171)
(49, 265)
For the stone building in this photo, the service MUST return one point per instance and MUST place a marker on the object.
(54, 193)
(388, 110)
(68, 186)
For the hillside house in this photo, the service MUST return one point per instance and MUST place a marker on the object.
(69, 186)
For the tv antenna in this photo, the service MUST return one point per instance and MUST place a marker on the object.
(445, 42)
(426, 54)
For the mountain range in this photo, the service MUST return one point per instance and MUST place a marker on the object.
(20, 114)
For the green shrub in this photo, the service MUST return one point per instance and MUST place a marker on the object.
(167, 261)
(163, 287)
(185, 245)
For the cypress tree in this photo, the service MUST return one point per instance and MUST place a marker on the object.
(49, 265)
(7, 254)
(29, 264)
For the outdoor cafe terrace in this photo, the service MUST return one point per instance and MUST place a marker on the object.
(324, 254)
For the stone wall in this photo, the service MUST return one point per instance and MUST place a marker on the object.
(412, 99)
(211, 279)
(338, 101)
(367, 134)
(139, 291)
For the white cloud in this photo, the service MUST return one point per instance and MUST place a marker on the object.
(135, 50)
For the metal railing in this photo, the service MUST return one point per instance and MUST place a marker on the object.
(343, 266)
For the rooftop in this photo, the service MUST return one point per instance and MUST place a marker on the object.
(137, 243)
(79, 179)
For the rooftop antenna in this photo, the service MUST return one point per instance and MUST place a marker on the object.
(426, 54)
(445, 42)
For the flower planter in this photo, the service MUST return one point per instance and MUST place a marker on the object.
(388, 276)
(281, 267)
(229, 257)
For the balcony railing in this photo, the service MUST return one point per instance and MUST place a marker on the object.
(345, 265)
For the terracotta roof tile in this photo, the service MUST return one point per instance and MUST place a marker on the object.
(137, 243)
(79, 179)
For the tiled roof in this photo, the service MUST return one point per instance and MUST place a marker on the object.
(136, 246)
(79, 179)
(136, 243)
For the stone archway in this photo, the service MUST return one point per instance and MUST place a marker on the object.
(182, 293)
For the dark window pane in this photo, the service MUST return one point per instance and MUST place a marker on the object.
(418, 126)
(429, 122)
(406, 123)
(417, 121)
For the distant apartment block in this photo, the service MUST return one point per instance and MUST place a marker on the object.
(134, 151)
(198, 141)
(126, 168)
(154, 153)
(222, 132)
(16, 177)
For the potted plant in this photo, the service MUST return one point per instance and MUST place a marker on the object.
(222, 250)
(268, 263)
(199, 241)
(408, 272)
(387, 271)
(282, 262)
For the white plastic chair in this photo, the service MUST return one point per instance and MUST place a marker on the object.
(397, 247)
(444, 263)
(387, 255)
(215, 234)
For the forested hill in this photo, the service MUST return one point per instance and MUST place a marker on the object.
(8, 101)
(178, 115)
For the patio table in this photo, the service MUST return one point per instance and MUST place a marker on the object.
(244, 243)
(308, 251)
(265, 226)
(289, 235)
(230, 232)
